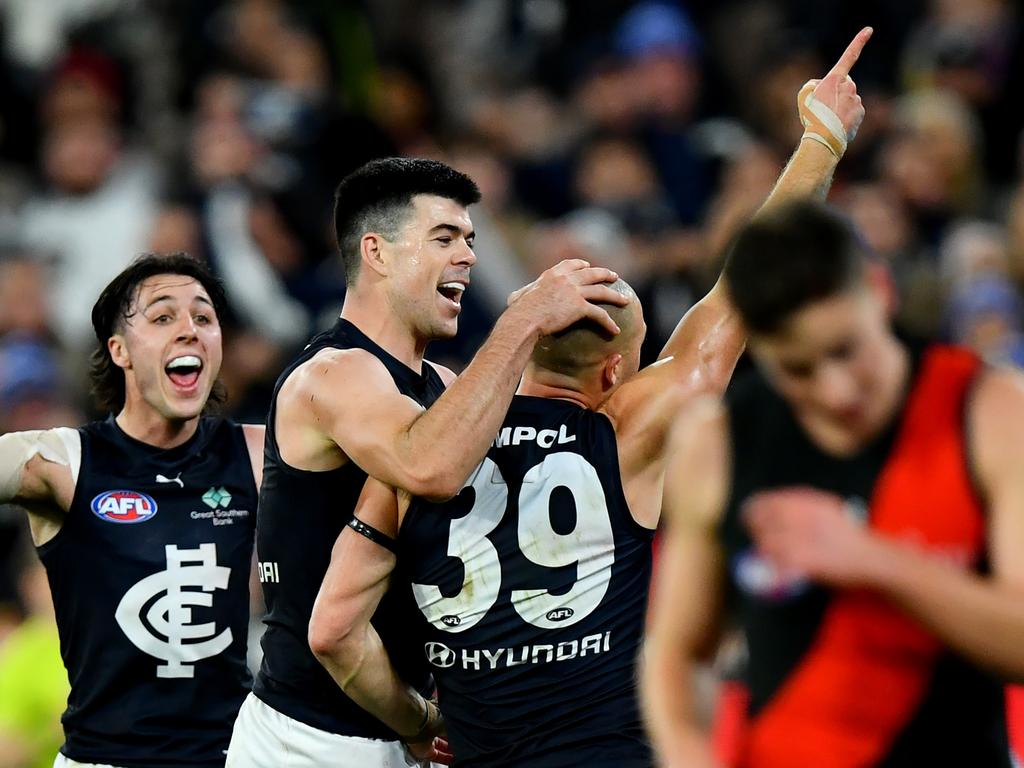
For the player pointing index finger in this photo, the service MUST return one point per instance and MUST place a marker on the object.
(850, 55)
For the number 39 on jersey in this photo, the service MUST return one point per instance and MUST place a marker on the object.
(590, 546)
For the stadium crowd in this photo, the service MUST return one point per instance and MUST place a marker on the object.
(636, 134)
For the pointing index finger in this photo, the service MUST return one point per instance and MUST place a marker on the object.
(852, 53)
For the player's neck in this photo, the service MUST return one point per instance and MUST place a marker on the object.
(140, 422)
(386, 330)
(553, 386)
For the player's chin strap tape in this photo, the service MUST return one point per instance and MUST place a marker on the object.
(60, 446)
(373, 535)
(820, 123)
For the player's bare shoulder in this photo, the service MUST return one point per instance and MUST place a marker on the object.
(322, 381)
(698, 468)
(996, 421)
(39, 470)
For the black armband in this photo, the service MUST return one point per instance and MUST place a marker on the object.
(373, 535)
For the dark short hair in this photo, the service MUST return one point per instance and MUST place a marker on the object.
(376, 197)
(114, 307)
(788, 258)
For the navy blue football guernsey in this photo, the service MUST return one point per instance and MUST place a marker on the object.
(150, 581)
(531, 586)
(301, 515)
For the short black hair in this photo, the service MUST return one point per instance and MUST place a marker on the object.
(788, 258)
(375, 198)
(114, 307)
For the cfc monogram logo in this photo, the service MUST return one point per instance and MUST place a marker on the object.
(156, 613)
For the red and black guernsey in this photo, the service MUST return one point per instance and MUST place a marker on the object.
(300, 516)
(843, 678)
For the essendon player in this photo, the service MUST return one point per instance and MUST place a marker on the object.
(145, 524)
(531, 585)
(859, 505)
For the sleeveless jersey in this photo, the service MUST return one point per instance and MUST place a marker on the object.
(532, 587)
(150, 582)
(301, 515)
(845, 673)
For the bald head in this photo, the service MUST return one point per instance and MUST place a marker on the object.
(585, 343)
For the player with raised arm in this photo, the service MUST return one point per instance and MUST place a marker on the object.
(530, 586)
(857, 504)
(361, 399)
(145, 524)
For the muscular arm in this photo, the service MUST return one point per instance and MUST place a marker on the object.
(341, 635)
(38, 470)
(981, 617)
(346, 398)
(686, 594)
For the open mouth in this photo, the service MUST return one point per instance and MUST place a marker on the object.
(184, 371)
(452, 292)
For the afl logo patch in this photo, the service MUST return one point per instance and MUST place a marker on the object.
(124, 507)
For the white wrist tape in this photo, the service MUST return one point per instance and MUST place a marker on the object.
(60, 446)
(821, 124)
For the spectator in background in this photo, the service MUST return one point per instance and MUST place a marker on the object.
(33, 684)
(100, 200)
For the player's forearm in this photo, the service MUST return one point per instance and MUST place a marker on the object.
(978, 617)
(667, 686)
(807, 175)
(361, 667)
(445, 444)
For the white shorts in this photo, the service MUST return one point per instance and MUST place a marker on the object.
(67, 762)
(265, 738)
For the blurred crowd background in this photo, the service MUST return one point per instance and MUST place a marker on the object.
(638, 135)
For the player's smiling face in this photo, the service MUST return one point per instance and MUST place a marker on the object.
(169, 347)
(431, 257)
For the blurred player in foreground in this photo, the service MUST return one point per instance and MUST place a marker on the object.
(145, 524)
(859, 505)
(531, 584)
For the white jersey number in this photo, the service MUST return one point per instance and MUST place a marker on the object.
(590, 545)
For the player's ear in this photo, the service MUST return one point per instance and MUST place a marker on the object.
(119, 351)
(371, 252)
(612, 371)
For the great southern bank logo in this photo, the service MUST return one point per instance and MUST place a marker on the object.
(124, 507)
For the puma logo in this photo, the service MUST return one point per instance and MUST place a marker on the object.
(177, 479)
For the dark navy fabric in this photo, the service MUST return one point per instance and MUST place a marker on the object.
(150, 581)
(532, 588)
(301, 515)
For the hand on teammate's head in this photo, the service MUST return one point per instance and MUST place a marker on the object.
(566, 293)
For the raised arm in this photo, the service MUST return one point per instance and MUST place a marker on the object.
(686, 594)
(38, 470)
(703, 349)
(981, 617)
(346, 643)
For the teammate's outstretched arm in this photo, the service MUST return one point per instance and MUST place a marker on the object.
(430, 452)
(982, 617)
(346, 643)
(683, 624)
(831, 112)
(702, 352)
(38, 470)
